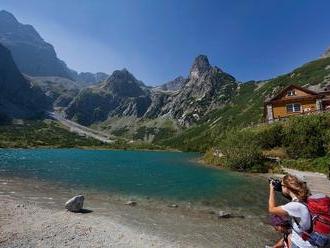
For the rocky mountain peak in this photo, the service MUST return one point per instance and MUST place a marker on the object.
(123, 83)
(123, 73)
(32, 55)
(201, 65)
(7, 17)
(12, 30)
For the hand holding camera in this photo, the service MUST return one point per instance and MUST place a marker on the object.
(276, 183)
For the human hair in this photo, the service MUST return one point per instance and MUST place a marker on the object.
(297, 187)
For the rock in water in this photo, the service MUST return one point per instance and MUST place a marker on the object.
(75, 204)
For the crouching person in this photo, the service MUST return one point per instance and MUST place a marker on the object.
(296, 190)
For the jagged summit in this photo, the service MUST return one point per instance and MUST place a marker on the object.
(121, 76)
(123, 83)
(7, 16)
(31, 53)
(201, 65)
(121, 94)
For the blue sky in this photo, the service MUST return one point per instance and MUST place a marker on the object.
(157, 40)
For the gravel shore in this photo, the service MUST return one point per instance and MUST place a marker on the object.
(25, 224)
(33, 215)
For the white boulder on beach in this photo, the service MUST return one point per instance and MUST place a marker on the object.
(75, 204)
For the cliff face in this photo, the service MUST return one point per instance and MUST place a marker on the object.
(18, 97)
(32, 55)
(207, 88)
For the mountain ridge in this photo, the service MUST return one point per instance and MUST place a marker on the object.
(18, 97)
(203, 89)
(36, 57)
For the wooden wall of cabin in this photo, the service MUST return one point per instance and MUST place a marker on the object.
(280, 110)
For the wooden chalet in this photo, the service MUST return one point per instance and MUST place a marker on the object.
(296, 100)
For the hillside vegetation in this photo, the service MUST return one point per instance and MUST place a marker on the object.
(301, 142)
(246, 107)
(49, 133)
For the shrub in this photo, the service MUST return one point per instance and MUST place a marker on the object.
(242, 152)
(317, 165)
(270, 136)
(304, 137)
(278, 152)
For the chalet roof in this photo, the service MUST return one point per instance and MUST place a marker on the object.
(292, 86)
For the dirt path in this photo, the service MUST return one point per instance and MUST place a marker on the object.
(81, 130)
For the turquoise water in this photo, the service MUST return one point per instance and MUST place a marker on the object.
(158, 175)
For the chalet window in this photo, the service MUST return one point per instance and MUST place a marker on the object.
(291, 93)
(293, 108)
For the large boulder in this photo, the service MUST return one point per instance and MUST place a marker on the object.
(75, 204)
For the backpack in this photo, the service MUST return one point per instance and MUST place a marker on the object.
(319, 209)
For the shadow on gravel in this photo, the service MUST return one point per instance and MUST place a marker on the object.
(85, 211)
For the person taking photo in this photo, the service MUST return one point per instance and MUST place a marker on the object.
(298, 192)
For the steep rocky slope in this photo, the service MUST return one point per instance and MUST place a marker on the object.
(34, 56)
(18, 97)
(31, 53)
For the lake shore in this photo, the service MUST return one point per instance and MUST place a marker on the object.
(29, 225)
(317, 182)
(33, 215)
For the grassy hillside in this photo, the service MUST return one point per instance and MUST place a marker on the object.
(301, 142)
(246, 108)
(49, 133)
(38, 133)
(138, 129)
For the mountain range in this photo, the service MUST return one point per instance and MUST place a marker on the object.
(122, 95)
(188, 112)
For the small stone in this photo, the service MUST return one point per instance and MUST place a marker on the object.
(224, 215)
(131, 203)
(75, 204)
(173, 206)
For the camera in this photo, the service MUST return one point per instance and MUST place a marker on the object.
(277, 184)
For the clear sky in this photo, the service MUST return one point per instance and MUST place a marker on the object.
(157, 40)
